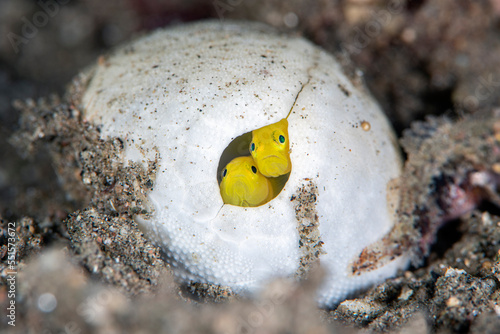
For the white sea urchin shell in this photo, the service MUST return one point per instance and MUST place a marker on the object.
(185, 93)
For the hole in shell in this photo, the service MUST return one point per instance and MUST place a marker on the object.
(240, 146)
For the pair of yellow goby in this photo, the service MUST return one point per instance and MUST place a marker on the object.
(245, 180)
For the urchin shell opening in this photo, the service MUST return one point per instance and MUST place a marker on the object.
(239, 147)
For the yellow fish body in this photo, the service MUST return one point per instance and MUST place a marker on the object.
(243, 185)
(270, 148)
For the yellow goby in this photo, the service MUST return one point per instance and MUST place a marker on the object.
(243, 185)
(270, 149)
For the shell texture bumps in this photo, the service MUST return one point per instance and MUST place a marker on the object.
(183, 94)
